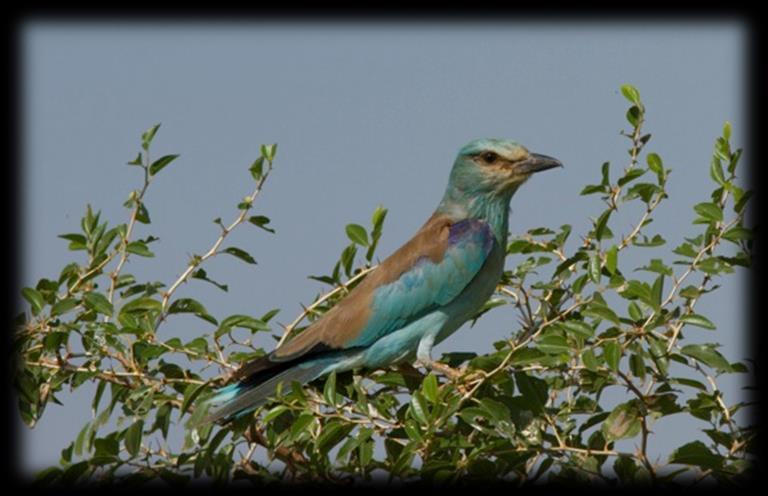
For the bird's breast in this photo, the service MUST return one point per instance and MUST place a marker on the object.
(476, 293)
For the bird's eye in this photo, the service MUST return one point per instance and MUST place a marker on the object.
(489, 157)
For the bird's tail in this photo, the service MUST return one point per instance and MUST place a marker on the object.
(251, 391)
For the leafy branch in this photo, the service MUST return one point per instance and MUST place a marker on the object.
(581, 322)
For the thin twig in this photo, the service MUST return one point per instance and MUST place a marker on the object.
(213, 250)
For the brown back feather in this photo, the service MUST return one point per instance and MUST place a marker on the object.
(344, 322)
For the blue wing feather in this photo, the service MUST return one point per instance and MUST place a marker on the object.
(427, 285)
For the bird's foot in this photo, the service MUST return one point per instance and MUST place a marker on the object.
(444, 369)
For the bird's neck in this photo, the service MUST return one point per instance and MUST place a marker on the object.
(494, 209)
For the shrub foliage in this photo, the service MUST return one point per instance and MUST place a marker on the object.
(582, 321)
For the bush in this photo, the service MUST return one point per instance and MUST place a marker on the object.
(532, 409)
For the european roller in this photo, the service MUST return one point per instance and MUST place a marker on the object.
(416, 297)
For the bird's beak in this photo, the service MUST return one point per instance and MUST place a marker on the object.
(537, 163)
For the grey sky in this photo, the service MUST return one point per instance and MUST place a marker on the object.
(364, 114)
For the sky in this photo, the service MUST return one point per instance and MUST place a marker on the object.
(364, 114)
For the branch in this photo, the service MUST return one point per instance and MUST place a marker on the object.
(124, 242)
(213, 251)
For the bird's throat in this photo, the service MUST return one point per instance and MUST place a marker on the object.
(493, 209)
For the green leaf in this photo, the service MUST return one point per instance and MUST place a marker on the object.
(242, 321)
(601, 224)
(635, 312)
(148, 135)
(35, 299)
(638, 290)
(63, 306)
(631, 175)
(623, 422)
(76, 241)
(698, 320)
(136, 161)
(594, 267)
(707, 354)
(47, 476)
(144, 352)
(657, 240)
(602, 311)
(722, 149)
(591, 189)
(186, 305)
(644, 191)
(685, 250)
(534, 390)
(300, 424)
(578, 328)
(637, 366)
(348, 258)
(738, 233)
(634, 114)
(189, 305)
(329, 390)
(74, 473)
(142, 214)
(429, 388)
(139, 248)
(419, 408)
(657, 291)
(141, 305)
(132, 438)
(97, 397)
(99, 303)
(605, 173)
(657, 265)
(611, 259)
(523, 356)
(377, 219)
(696, 453)
(261, 221)
(331, 435)
(357, 234)
(655, 164)
(191, 393)
(161, 163)
(239, 253)
(163, 419)
(274, 413)
(203, 275)
(198, 345)
(269, 151)
(612, 354)
(716, 171)
(630, 93)
(106, 447)
(734, 161)
(553, 344)
(498, 411)
(257, 168)
(589, 360)
(709, 211)
(688, 382)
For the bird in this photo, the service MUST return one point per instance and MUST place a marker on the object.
(416, 297)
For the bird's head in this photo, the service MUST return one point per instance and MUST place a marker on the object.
(496, 167)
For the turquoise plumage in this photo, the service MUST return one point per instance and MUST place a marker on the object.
(418, 296)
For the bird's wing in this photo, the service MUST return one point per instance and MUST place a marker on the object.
(426, 273)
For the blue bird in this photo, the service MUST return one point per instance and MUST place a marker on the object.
(416, 297)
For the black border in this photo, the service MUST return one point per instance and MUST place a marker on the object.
(747, 13)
